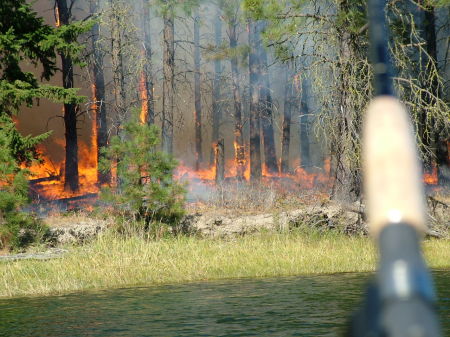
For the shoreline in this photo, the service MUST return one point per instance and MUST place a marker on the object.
(112, 262)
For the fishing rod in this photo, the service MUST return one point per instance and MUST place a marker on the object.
(400, 301)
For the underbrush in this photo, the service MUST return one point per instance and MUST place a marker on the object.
(245, 197)
(18, 230)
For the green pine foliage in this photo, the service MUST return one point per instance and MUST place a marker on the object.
(17, 229)
(26, 39)
(145, 189)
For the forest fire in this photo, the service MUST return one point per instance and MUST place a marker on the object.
(47, 178)
(143, 95)
(431, 178)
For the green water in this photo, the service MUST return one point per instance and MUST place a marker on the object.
(295, 306)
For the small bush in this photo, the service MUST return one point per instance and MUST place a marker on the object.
(17, 229)
(144, 189)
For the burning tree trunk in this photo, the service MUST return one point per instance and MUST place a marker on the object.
(169, 79)
(305, 149)
(270, 157)
(148, 106)
(254, 29)
(287, 109)
(101, 130)
(239, 149)
(197, 93)
(71, 178)
(216, 108)
(220, 161)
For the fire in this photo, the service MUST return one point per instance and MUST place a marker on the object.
(47, 178)
(431, 178)
(58, 20)
(240, 162)
(300, 177)
(143, 95)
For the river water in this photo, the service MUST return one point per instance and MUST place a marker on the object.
(293, 306)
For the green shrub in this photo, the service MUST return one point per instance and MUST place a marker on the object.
(144, 189)
(17, 229)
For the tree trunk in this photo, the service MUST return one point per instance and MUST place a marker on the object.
(347, 182)
(220, 161)
(197, 93)
(216, 108)
(287, 109)
(169, 81)
(239, 148)
(99, 95)
(270, 158)
(255, 100)
(148, 66)
(305, 145)
(440, 138)
(117, 69)
(71, 178)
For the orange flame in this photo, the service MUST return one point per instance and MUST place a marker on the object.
(58, 20)
(431, 178)
(51, 175)
(143, 95)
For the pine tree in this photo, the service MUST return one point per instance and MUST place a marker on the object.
(24, 37)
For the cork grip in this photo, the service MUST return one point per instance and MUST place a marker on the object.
(392, 174)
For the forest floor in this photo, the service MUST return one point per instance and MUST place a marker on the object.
(276, 235)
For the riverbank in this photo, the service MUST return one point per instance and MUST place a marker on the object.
(112, 261)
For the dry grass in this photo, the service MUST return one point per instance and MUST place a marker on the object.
(113, 261)
(245, 198)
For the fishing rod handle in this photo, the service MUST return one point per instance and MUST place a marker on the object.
(393, 185)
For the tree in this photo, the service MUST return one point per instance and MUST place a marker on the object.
(118, 9)
(334, 40)
(25, 38)
(197, 93)
(99, 97)
(231, 11)
(287, 113)
(254, 36)
(167, 10)
(305, 149)
(71, 180)
(148, 65)
(270, 158)
(216, 90)
(147, 191)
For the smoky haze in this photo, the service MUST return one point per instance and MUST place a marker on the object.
(47, 116)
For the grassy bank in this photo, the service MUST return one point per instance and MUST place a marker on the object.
(111, 262)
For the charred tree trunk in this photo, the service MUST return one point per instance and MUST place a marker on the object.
(71, 178)
(148, 66)
(270, 157)
(305, 146)
(220, 161)
(197, 94)
(255, 100)
(216, 108)
(99, 95)
(239, 148)
(169, 80)
(286, 134)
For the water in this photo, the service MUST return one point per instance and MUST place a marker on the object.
(295, 306)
